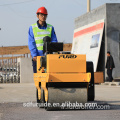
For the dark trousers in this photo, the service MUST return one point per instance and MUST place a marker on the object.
(34, 66)
(109, 73)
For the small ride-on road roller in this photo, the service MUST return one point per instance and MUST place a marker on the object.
(62, 78)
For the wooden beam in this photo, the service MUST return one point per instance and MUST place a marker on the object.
(14, 50)
(17, 50)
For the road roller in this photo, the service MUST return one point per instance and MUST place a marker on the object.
(62, 78)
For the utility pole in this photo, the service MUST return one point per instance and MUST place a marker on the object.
(88, 5)
(2, 52)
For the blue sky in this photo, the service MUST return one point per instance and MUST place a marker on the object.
(16, 17)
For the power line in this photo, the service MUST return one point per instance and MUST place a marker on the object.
(77, 2)
(18, 13)
(17, 3)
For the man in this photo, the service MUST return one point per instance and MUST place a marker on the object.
(110, 65)
(36, 34)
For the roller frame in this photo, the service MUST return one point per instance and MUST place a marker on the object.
(44, 78)
(45, 81)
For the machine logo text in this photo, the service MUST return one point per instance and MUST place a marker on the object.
(67, 56)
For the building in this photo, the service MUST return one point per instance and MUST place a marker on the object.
(110, 12)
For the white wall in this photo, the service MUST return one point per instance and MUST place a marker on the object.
(26, 70)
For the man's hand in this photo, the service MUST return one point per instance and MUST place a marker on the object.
(35, 58)
(110, 68)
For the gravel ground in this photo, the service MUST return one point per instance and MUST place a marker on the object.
(15, 96)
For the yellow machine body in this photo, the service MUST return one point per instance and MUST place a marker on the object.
(61, 68)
